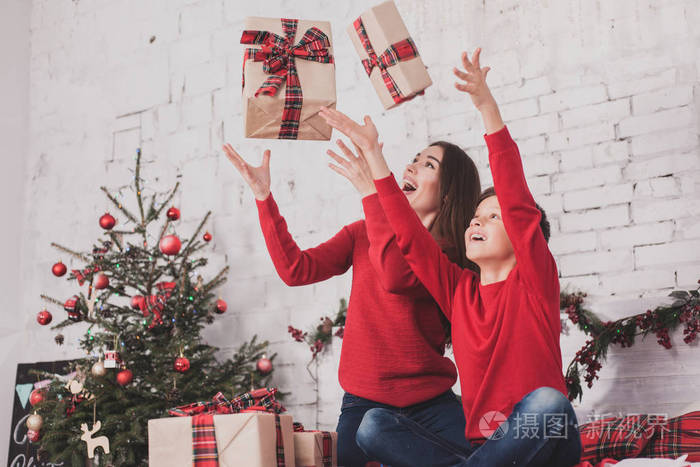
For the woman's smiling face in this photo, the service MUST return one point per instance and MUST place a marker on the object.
(421, 181)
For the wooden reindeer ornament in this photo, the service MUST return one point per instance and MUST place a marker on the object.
(93, 443)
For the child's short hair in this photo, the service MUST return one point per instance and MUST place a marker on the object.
(544, 223)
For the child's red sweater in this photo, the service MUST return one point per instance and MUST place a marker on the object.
(505, 335)
(394, 336)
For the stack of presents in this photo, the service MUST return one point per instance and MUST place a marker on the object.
(249, 430)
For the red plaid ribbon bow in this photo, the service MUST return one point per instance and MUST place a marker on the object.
(155, 303)
(256, 400)
(278, 55)
(81, 276)
(402, 50)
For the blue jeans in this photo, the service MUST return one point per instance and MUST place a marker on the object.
(541, 431)
(442, 415)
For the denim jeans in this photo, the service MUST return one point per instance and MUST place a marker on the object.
(541, 431)
(442, 415)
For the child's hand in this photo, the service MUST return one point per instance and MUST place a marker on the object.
(474, 80)
(365, 136)
(354, 168)
(258, 178)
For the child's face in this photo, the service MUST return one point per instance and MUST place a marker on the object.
(486, 238)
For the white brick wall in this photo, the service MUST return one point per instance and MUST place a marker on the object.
(603, 100)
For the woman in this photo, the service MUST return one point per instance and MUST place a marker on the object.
(393, 347)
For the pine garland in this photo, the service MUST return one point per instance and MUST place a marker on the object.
(685, 310)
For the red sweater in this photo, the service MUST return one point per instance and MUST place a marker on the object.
(505, 335)
(393, 344)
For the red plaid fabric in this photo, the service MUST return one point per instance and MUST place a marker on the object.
(279, 442)
(327, 449)
(204, 453)
(258, 399)
(675, 437)
(155, 303)
(402, 50)
(617, 438)
(81, 276)
(278, 55)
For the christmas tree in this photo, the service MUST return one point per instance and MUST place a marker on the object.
(143, 305)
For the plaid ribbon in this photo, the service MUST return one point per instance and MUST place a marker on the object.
(256, 400)
(279, 442)
(204, 453)
(155, 303)
(402, 50)
(81, 276)
(279, 55)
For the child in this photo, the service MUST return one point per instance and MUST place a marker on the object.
(393, 348)
(505, 320)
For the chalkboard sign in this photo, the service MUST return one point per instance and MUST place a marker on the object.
(22, 453)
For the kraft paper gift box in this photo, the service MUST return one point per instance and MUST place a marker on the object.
(389, 55)
(263, 114)
(309, 449)
(243, 439)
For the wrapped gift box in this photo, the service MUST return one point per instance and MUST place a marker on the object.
(271, 46)
(389, 55)
(244, 439)
(316, 449)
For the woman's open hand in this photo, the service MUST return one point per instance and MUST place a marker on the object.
(258, 178)
(354, 168)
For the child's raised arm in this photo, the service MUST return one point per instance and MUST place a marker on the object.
(521, 217)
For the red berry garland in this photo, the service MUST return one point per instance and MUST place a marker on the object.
(685, 310)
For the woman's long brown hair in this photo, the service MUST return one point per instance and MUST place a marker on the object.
(460, 188)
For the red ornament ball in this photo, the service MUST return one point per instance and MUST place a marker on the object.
(181, 365)
(264, 365)
(44, 317)
(170, 245)
(36, 396)
(59, 269)
(207, 237)
(137, 302)
(101, 281)
(124, 377)
(107, 221)
(173, 214)
(33, 436)
(221, 306)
